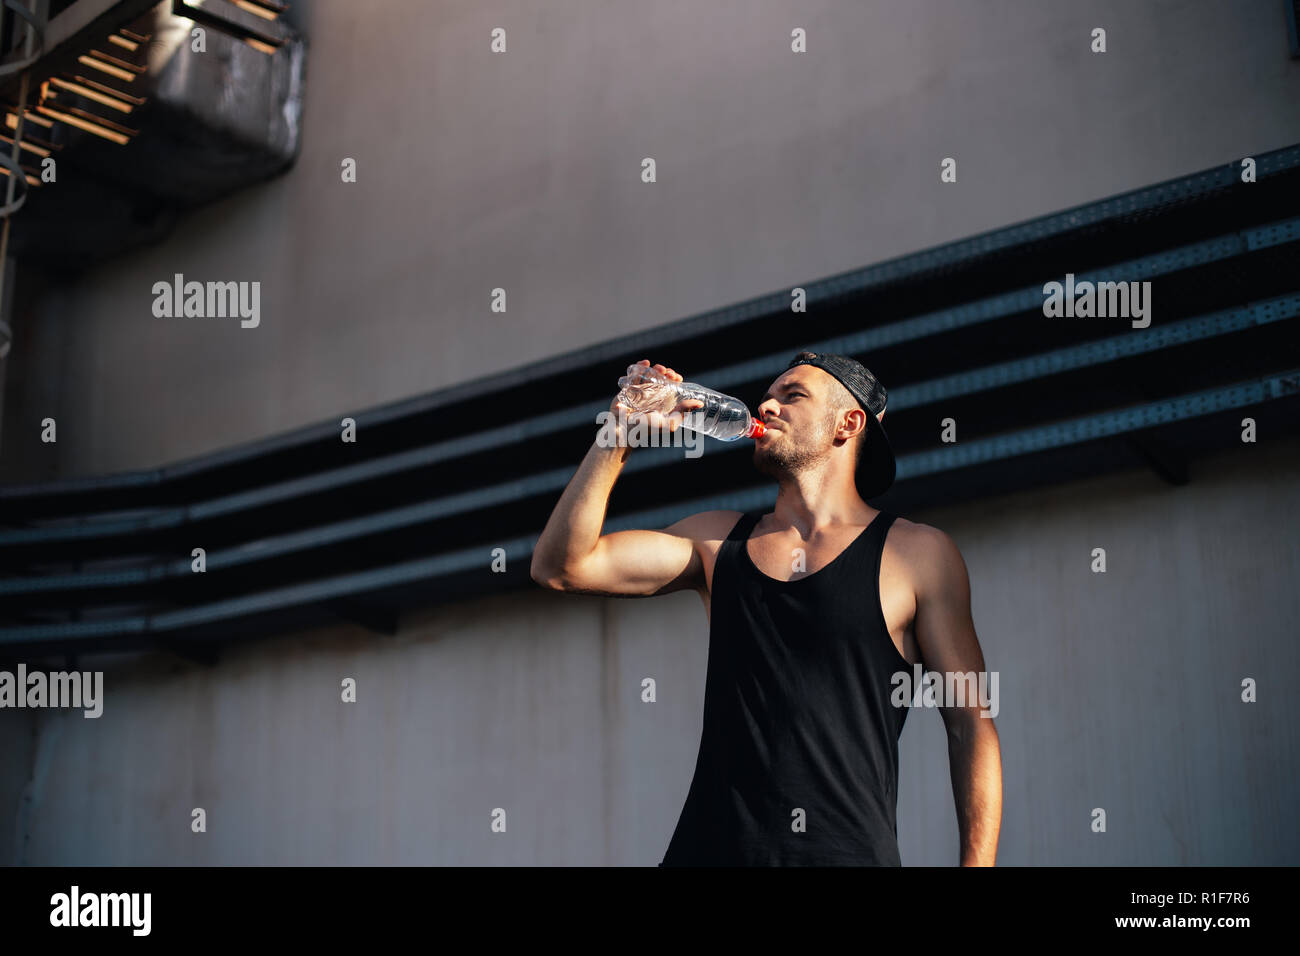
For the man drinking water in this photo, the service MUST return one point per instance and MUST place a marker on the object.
(812, 609)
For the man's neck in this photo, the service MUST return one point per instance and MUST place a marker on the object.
(812, 503)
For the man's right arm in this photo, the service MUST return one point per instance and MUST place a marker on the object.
(572, 554)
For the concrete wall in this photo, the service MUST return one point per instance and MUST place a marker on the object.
(1118, 690)
(521, 171)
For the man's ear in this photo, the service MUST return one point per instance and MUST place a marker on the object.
(864, 417)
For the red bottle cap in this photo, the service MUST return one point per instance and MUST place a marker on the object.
(756, 429)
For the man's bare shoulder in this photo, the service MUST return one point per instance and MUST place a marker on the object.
(926, 551)
(705, 526)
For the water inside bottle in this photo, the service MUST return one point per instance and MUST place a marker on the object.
(644, 391)
(721, 417)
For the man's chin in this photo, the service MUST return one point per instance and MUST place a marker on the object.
(768, 465)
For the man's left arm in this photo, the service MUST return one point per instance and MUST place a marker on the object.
(945, 633)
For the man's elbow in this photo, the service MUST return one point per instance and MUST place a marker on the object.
(564, 574)
(546, 576)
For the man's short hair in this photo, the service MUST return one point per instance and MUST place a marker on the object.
(841, 400)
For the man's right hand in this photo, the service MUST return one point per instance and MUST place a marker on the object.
(625, 418)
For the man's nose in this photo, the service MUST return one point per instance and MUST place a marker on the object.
(770, 405)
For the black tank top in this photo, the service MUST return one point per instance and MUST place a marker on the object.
(797, 716)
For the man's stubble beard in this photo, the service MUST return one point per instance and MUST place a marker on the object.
(789, 458)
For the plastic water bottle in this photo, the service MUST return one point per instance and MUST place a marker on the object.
(723, 417)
